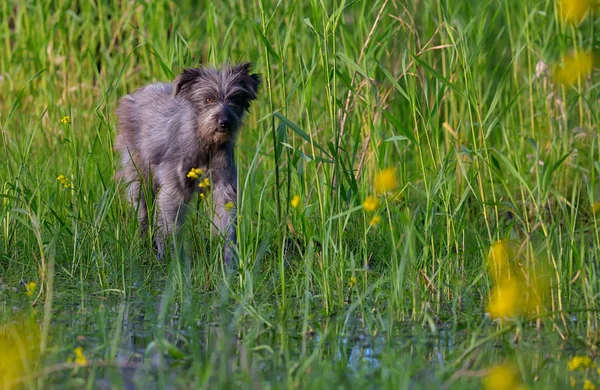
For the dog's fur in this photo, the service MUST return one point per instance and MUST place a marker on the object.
(165, 130)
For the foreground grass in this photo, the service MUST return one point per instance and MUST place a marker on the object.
(452, 95)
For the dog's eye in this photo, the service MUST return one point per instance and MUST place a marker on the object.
(209, 100)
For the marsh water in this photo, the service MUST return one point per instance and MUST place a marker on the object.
(146, 342)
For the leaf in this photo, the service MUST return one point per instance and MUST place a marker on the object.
(353, 65)
(396, 124)
(396, 138)
(436, 74)
(296, 129)
(393, 81)
(267, 44)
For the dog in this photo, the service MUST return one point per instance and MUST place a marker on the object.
(177, 139)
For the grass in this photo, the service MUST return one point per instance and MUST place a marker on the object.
(444, 92)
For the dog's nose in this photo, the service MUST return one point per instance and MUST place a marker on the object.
(223, 122)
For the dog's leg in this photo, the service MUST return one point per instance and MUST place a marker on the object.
(224, 189)
(142, 210)
(225, 197)
(171, 202)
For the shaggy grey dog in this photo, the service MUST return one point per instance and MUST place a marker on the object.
(177, 139)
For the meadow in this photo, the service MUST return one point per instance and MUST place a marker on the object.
(419, 198)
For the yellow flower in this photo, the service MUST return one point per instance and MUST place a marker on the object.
(194, 173)
(202, 196)
(574, 11)
(506, 301)
(204, 183)
(588, 385)
(375, 220)
(371, 203)
(580, 363)
(19, 351)
(66, 120)
(501, 258)
(353, 281)
(295, 202)
(386, 181)
(80, 358)
(595, 207)
(30, 287)
(574, 68)
(572, 381)
(64, 181)
(229, 206)
(504, 376)
(521, 283)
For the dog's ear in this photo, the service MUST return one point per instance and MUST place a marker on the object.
(249, 81)
(183, 83)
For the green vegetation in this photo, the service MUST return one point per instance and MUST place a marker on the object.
(488, 138)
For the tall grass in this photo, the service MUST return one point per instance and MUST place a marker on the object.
(448, 93)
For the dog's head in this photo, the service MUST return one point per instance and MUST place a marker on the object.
(221, 97)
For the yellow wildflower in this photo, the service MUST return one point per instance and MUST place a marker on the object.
(580, 363)
(371, 203)
(521, 283)
(506, 301)
(572, 381)
(19, 351)
(202, 196)
(595, 207)
(574, 11)
(386, 181)
(30, 287)
(66, 120)
(194, 173)
(588, 385)
(229, 206)
(574, 68)
(64, 181)
(204, 183)
(353, 281)
(504, 376)
(295, 202)
(80, 358)
(375, 220)
(500, 260)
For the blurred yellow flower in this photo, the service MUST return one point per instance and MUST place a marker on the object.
(30, 287)
(386, 181)
(573, 68)
(194, 173)
(371, 203)
(375, 220)
(501, 258)
(64, 181)
(504, 376)
(352, 281)
(588, 385)
(229, 206)
(204, 183)
(19, 351)
(574, 11)
(572, 381)
(506, 301)
(580, 363)
(595, 207)
(202, 196)
(295, 202)
(520, 284)
(80, 358)
(66, 120)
